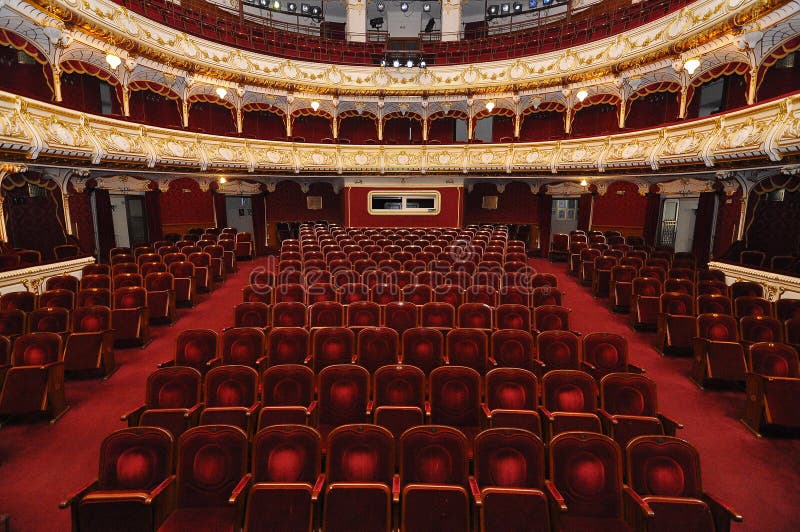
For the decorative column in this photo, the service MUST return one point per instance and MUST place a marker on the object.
(451, 20)
(126, 101)
(470, 118)
(57, 83)
(752, 85)
(357, 20)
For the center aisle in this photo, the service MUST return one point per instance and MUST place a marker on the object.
(40, 464)
(758, 477)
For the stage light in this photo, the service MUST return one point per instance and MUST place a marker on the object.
(316, 10)
(221, 92)
(276, 5)
(581, 95)
(490, 105)
(410, 63)
(305, 8)
(396, 63)
(113, 60)
(532, 4)
(691, 65)
(584, 183)
(517, 7)
(381, 6)
(264, 3)
(426, 8)
(547, 2)
(314, 105)
(291, 6)
(404, 7)
(423, 64)
(505, 8)
(494, 10)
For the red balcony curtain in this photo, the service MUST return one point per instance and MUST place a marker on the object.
(152, 208)
(259, 202)
(652, 212)
(545, 211)
(105, 224)
(585, 211)
(220, 213)
(704, 226)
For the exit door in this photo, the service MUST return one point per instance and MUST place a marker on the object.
(565, 215)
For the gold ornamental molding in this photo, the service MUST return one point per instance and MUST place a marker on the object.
(103, 21)
(776, 286)
(33, 278)
(33, 129)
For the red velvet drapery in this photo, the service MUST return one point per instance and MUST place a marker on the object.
(152, 208)
(105, 224)
(220, 211)
(585, 211)
(701, 245)
(545, 211)
(652, 212)
(259, 202)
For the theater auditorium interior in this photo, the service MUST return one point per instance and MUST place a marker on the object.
(399, 265)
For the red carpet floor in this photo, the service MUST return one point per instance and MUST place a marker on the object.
(40, 463)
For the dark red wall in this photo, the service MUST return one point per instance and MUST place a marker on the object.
(358, 129)
(357, 212)
(620, 211)
(652, 110)
(288, 203)
(730, 209)
(192, 208)
(312, 128)
(263, 125)
(544, 125)
(597, 119)
(80, 213)
(27, 80)
(151, 108)
(516, 205)
(209, 117)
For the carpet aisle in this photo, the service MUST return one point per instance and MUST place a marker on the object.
(40, 464)
(758, 477)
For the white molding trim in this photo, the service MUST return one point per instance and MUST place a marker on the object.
(776, 285)
(33, 278)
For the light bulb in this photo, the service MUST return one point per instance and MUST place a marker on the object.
(222, 180)
(221, 92)
(581, 95)
(113, 60)
(490, 105)
(584, 183)
(315, 105)
(691, 65)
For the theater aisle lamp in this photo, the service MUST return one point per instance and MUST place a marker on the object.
(113, 60)
(490, 105)
(315, 105)
(221, 92)
(584, 183)
(581, 95)
(691, 65)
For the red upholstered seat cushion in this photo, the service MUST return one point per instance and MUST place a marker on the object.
(508, 468)
(628, 401)
(558, 354)
(551, 322)
(606, 356)
(35, 355)
(230, 393)
(509, 395)
(718, 332)
(136, 468)
(570, 398)
(286, 463)
(664, 476)
(433, 465)
(200, 520)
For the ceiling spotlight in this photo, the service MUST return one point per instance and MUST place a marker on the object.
(423, 64)
(410, 63)
(222, 180)
(221, 92)
(264, 3)
(396, 63)
(404, 7)
(532, 4)
(383, 61)
(276, 5)
(691, 65)
(314, 105)
(113, 60)
(381, 6)
(305, 8)
(316, 10)
(584, 183)
(547, 2)
(517, 7)
(494, 10)
(490, 105)
(581, 95)
(505, 8)
(426, 8)
(291, 6)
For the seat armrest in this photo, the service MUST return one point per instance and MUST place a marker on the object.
(486, 412)
(167, 364)
(606, 416)
(308, 359)
(555, 496)
(318, 485)
(476, 491)
(492, 361)
(312, 407)
(75, 497)
(158, 490)
(638, 501)
(214, 362)
(670, 425)
(719, 507)
(427, 409)
(546, 413)
(253, 409)
(633, 368)
(370, 406)
(193, 411)
(240, 488)
(588, 366)
(133, 416)
(396, 488)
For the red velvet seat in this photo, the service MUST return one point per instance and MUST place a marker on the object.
(423, 347)
(289, 314)
(717, 351)
(54, 320)
(512, 348)
(399, 398)
(212, 480)
(787, 308)
(133, 488)
(172, 401)
(244, 346)
(217, 254)
(513, 316)
(93, 269)
(35, 380)
(343, 394)
(586, 490)
(290, 292)
(152, 267)
(377, 347)
(482, 294)
(760, 329)
(185, 283)
(515, 294)
(434, 480)
(512, 399)
(551, 318)
(288, 345)
(557, 350)
(287, 475)
(332, 345)
(449, 293)
(629, 408)
(245, 248)
(475, 316)
(746, 289)
(321, 292)
(122, 258)
(251, 314)
(359, 471)
(170, 258)
(90, 346)
(792, 332)
(160, 288)
(262, 294)
(203, 271)
(131, 316)
(127, 279)
(352, 293)
(438, 315)
(586, 272)
(676, 323)
(418, 294)
(714, 304)
(12, 324)
(546, 295)
(373, 277)
(605, 353)
(430, 278)
(25, 301)
(196, 348)
(772, 385)
(93, 296)
(601, 277)
(559, 247)
(752, 306)
(231, 397)
(645, 302)
(712, 286)
(455, 399)
(665, 473)
(569, 402)
(400, 316)
(468, 347)
(326, 314)
(509, 474)
(384, 294)
(63, 282)
(287, 396)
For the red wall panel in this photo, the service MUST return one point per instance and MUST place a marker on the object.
(80, 213)
(450, 213)
(288, 203)
(619, 210)
(185, 203)
(730, 208)
(516, 205)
